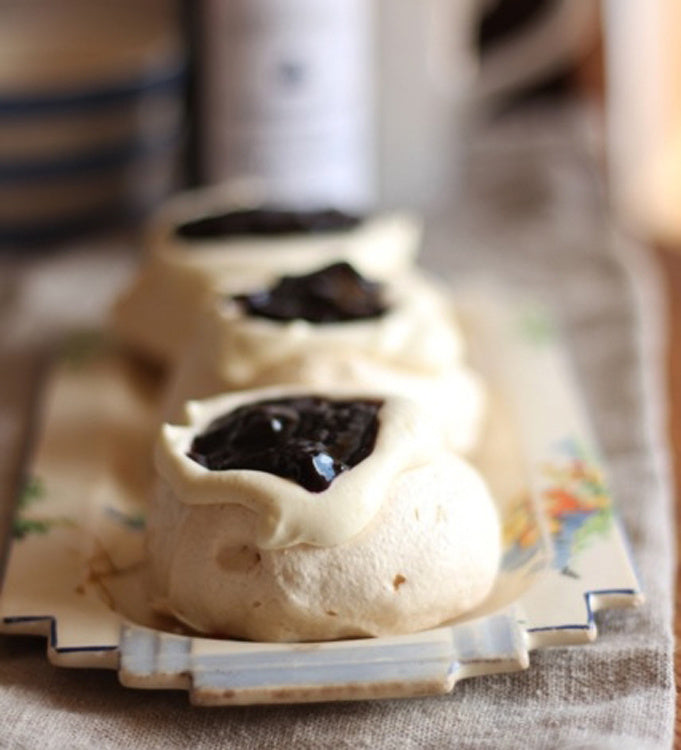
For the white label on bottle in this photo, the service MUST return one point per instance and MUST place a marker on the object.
(286, 91)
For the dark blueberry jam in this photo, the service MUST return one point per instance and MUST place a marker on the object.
(335, 294)
(308, 439)
(266, 222)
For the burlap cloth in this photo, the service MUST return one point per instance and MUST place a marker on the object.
(533, 215)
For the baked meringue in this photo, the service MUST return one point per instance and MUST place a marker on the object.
(185, 269)
(404, 540)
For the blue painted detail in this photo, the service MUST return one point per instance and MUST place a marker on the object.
(309, 675)
(558, 627)
(174, 653)
(501, 630)
(116, 213)
(516, 556)
(100, 159)
(138, 650)
(326, 658)
(454, 667)
(465, 642)
(563, 538)
(590, 614)
(168, 80)
(52, 637)
(132, 522)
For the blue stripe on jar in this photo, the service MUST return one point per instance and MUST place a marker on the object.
(99, 159)
(165, 80)
(117, 214)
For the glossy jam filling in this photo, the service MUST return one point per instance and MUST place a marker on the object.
(335, 294)
(309, 439)
(266, 222)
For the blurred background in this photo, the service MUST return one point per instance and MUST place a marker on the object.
(92, 114)
(107, 107)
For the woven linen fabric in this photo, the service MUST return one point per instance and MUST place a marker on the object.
(533, 216)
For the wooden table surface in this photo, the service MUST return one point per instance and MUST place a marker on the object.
(670, 261)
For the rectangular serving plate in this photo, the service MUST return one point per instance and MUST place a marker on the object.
(77, 549)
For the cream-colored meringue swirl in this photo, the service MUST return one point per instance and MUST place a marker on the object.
(288, 514)
(381, 245)
(159, 312)
(233, 350)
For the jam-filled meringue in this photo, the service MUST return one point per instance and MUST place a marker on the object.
(404, 539)
(235, 349)
(217, 240)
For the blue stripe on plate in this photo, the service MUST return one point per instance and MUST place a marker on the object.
(351, 653)
(52, 636)
(161, 81)
(590, 613)
(319, 675)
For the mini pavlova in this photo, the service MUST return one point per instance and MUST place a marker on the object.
(284, 514)
(223, 239)
(333, 326)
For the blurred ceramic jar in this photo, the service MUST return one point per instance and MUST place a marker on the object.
(91, 113)
(356, 103)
